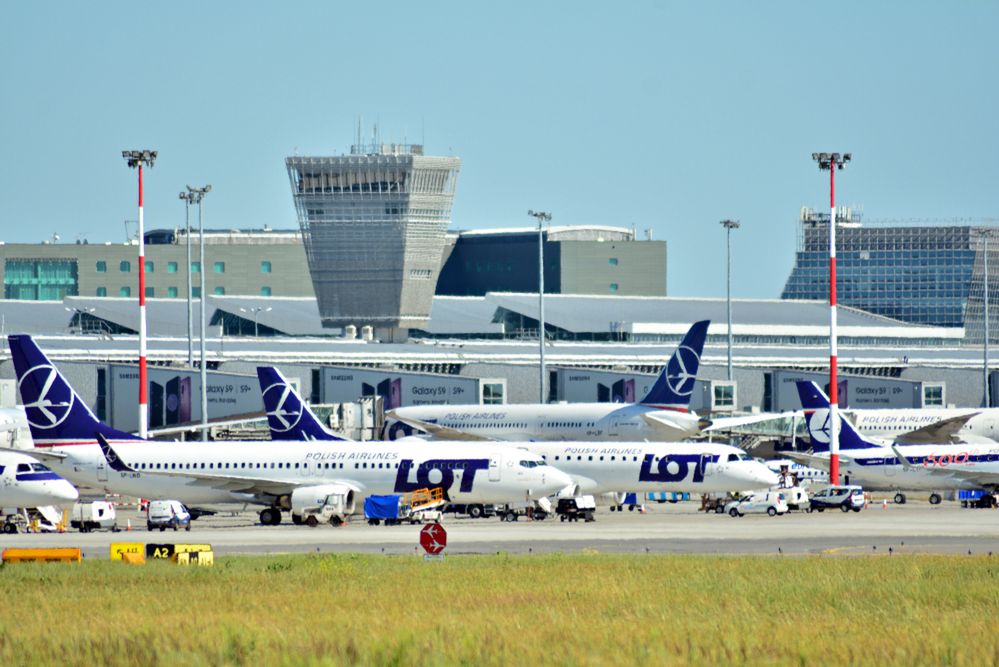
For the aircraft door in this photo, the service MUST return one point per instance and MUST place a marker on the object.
(102, 470)
(494, 467)
(707, 468)
(613, 426)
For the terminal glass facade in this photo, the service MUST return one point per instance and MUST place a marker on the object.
(40, 279)
(932, 275)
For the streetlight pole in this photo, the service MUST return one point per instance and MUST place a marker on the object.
(188, 199)
(256, 310)
(832, 162)
(136, 159)
(198, 195)
(729, 225)
(985, 339)
(542, 217)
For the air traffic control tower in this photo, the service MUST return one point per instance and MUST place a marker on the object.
(373, 223)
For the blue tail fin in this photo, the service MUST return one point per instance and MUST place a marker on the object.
(675, 383)
(288, 417)
(816, 405)
(56, 414)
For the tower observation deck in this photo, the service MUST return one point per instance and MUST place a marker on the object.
(374, 225)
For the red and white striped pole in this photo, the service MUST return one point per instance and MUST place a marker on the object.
(143, 383)
(832, 162)
(138, 159)
(833, 383)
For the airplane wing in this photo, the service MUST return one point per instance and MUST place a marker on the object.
(813, 460)
(944, 430)
(677, 430)
(39, 453)
(436, 430)
(217, 480)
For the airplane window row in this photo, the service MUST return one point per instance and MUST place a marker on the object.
(467, 425)
(449, 465)
(590, 458)
(568, 424)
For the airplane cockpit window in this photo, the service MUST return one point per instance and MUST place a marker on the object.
(733, 457)
(23, 467)
(38, 467)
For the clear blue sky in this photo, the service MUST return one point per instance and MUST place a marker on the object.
(664, 115)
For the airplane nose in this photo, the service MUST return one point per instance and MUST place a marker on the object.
(554, 480)
(67, 493)
(765, 475)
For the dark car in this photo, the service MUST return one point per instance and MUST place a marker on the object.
(844, 497)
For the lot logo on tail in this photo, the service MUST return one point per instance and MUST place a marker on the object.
(679, 378)
(284, 416)
(819, 426)
(54, 399)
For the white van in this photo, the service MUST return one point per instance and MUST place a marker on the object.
(771, 502)
(165, 514)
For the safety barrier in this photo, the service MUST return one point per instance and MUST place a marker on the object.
(63, 555)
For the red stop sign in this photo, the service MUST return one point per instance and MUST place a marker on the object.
(433, 538)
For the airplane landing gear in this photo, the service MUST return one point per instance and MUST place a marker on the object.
(899, 498)
(935, 499)
(270, 516)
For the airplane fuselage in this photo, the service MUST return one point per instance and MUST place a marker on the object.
(577, 422)
(896, 422)
(26, 483)
(468, 472)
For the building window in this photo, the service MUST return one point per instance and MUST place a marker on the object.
(149, 292)
(722, 395)
(40, 279)
(196, 292)
(172, 267)
(125, 266)
(102, 291)
(171, 292)
(265, 266)
(613, 287)
(219, 290)
(102, 266)
(219, 267)
(612, 261)
(933, 395)
(150, 267)
(195, 267)
(265, 291)
(125, 291)
(492, 393)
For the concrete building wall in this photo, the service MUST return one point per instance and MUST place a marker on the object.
(626, 268)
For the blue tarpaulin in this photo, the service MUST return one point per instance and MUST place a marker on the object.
(381, 507)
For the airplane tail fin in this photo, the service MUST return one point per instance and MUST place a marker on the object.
(55, 413)
(288, 417)
(816, 405)
(675, 384)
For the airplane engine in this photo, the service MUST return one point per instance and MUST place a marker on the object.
(396, 430)
(323, 502)
(570, 491)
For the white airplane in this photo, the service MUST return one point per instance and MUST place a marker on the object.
(69, 437)
(24, 482)
(595, 468)
(914, 426)
(894, 466)
(663, 415)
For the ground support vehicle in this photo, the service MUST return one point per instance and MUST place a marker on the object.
(421, 506)
(796, 498)
(86, 517)
(844, 497)
(574, 509)
(977, 499)
(770, 502)
(715, 502)
(474, 511)
(165, 514)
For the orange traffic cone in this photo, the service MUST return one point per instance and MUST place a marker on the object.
(128, 525)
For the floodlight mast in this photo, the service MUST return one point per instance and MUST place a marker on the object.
(729, 225)
(542, 217)
(197, 195)
(832, 162)
(136, 159)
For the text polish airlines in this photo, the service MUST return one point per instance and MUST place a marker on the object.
(663, 415)
(896, 466)
(282, 476)
(596, 468)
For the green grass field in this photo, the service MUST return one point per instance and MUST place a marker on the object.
(505, 610)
